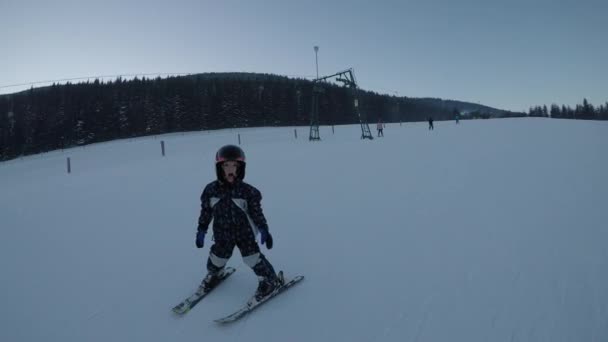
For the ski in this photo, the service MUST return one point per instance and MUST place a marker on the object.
(186, 305)
(252, 304)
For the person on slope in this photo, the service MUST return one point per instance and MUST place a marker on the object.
(237, 217)
(380, 128)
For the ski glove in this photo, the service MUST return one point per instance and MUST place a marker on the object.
(200, 239)
(266, 238)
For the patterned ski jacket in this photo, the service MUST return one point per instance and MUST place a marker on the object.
(232, 207)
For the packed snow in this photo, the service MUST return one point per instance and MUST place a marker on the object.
(490, 230)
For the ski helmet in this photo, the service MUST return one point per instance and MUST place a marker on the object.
(230, 153)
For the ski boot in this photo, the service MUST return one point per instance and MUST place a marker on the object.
(267, 286)
(209, 282)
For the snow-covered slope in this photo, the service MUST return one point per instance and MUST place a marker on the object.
(490, 230)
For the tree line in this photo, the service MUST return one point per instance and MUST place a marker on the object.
(62, 116)
(585, 111)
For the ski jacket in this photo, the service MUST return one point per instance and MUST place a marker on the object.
(231, 207)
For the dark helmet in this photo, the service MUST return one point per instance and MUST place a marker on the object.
(230, 153)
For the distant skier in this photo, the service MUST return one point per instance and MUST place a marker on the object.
(237, 216)
(431, 127)
(456, 115)
(380, 128)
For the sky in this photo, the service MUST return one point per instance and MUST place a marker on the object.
(501, 237)
(505, 54)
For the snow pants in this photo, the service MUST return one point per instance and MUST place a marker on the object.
(244, 238)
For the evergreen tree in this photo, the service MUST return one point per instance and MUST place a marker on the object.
(30, 123)
(5, 117)
(555, 111)
(587, 110)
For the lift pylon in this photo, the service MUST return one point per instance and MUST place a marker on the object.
(347, 77)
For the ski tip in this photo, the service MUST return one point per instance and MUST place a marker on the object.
(295, 279)
(179, 312)
(230, 319)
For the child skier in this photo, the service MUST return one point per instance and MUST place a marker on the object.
(237, 216)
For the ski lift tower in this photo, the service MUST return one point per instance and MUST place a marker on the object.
(346, 77)
(314, 114)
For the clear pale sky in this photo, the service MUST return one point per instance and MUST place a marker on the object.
(510, 54)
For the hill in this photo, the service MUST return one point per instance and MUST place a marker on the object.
(63, 116)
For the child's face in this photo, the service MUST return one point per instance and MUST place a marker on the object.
(229, 168)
